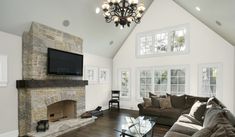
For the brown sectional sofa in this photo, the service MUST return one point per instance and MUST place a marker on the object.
(180, 105)
(218, 121)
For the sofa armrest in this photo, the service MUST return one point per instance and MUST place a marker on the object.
(141, 106)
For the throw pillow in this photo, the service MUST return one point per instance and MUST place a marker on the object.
(165, 102)
(229, 116)
(211, 116)
(155, 101)
(147, 102)
(205, 132)
(198, 110)
(190, 100)
(178, 101)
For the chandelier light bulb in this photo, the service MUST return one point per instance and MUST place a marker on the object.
(105, 6)
(141, 8)
(116, 19)
(113, 1)
(107, 14)
(133, 1)
(139, 15)
(129, 19)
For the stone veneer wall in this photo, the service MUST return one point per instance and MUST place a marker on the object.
(35, 44)
(33, 103)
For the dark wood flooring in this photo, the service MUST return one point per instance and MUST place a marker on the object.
(104, 126)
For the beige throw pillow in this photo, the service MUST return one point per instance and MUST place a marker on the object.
(165, 102)
(147, 102)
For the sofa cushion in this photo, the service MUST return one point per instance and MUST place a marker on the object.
(222, 130)
(155, 101)
(190, 100)
(186, 118)
(211, 116)
(185, 128)
(147, 102)
(186, 111)
(165, 102)
(173, 113)
(177, 101)
(205, 132)
(198, 110)
(175, 134)
(229, 116)
(222, 127)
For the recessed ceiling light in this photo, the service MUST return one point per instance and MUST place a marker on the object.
(111, 42)
(66, 23)
(97, 10)
(218, 23)
(198, 8)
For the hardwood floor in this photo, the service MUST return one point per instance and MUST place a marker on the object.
(104, 126)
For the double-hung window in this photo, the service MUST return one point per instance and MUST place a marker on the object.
(210, 80)
(124, 83)
(162, 80)
(145, 82)
(174, 40)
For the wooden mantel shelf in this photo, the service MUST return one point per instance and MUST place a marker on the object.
(50, 83)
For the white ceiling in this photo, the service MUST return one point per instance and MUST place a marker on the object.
(17, 15)
(212, 11)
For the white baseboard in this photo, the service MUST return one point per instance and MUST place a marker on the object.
(10, 134)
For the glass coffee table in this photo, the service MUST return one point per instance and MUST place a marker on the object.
(141, 126)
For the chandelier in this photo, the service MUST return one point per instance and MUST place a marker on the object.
(123, 12)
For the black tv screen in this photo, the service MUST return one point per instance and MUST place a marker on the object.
(64, 63)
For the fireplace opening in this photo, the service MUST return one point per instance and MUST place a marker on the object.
(61, 110)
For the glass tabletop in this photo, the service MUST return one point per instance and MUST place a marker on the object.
(137, 127)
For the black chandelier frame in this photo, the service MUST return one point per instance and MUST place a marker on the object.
(125, 12)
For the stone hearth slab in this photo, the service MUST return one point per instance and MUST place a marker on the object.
(61, 127)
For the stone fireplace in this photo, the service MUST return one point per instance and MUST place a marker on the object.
(59, 99)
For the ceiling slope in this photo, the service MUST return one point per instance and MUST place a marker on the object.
(98, 36)
(219, 15)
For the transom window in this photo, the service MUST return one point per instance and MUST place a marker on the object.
(162, 80)
(174, 40)
(209, 80)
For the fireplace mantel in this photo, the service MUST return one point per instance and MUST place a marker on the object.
(49, 83)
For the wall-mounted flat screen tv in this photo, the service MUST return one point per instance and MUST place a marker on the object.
(64, 63)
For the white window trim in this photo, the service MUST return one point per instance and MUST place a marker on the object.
(138, 98)
(4, 64)
(219, 78)
(168, 68)
(168, 53)
(129, 82)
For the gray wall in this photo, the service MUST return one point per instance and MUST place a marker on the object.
(10, 45)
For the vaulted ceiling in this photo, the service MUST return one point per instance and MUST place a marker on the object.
(219, 15)
(99, 37)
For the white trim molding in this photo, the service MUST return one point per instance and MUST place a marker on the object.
(13, 133)
(128, 70)
(219, 78)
